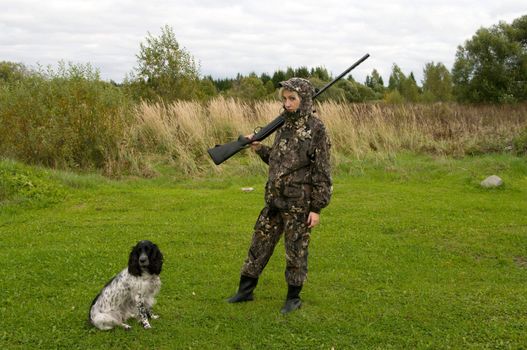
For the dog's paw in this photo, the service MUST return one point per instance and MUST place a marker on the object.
(147, 326)
(126, 327)
(154, 317)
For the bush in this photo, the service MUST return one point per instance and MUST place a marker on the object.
(394, 97)
(67, 118)
(519, 143)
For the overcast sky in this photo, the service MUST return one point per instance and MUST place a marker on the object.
(228, 37)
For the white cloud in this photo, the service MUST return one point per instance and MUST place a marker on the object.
(229, 37)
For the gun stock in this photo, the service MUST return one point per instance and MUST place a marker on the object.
(221, 153)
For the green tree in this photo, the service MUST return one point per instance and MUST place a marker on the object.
(348, 90)
(222, 84)
(269, 87)
(165, 69)
(320, 73)
(207, 89)
(409, 89)
(302, 72)
(248, 88)
(11, 71)
(366, 93)
(345, 90)
(278, 76)
(406, 86)
(264, 77)
(492, 65)
(394, 97)
(396, 79)
(375, 82)
(437, 82)
(289, 73)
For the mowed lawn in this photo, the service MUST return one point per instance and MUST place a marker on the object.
(411, 254)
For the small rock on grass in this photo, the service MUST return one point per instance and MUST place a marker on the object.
(492, 181)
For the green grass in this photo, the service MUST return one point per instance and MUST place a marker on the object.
(411, 253)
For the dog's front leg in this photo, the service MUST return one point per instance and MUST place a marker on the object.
(151, 315)
(142, 314)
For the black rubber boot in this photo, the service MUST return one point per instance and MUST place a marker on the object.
(292, 302)
(245, 290)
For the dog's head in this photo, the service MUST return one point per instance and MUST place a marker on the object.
(145, 257)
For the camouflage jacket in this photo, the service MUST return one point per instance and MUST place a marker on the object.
(299, 165)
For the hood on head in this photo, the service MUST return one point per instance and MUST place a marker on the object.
(305, 90)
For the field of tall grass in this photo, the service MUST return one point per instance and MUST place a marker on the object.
(182, 131)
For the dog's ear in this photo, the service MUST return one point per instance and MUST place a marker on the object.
(156, 261)
(133, 262)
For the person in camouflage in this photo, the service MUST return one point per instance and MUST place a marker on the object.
(298, 188)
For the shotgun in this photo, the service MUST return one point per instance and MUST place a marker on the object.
(221, 153)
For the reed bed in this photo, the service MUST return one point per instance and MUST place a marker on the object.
(182, 131)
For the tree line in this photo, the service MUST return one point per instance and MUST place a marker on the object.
(491, 67)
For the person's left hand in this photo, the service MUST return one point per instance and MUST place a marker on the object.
(313, 219)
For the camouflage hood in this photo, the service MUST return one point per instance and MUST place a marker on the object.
(305, 90)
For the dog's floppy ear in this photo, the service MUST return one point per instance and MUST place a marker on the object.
(133, 262)
(156, 260)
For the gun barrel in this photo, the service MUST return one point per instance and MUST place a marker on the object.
(328, 85)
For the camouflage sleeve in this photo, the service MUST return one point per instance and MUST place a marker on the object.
(321, 171)
(264, 152)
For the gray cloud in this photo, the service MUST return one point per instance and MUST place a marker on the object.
(229, 37)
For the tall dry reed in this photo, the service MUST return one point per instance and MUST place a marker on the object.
(183, 131)
(361, 129)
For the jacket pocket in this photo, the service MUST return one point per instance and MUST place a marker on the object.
(293, 191)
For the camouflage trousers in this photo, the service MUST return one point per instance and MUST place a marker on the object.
(267, 232)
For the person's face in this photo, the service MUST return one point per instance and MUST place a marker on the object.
(291, 100)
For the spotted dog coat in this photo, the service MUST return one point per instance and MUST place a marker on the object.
(299, 182)
(132, 292)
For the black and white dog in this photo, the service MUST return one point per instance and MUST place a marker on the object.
(132, 292)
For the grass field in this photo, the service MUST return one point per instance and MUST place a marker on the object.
(411, 253)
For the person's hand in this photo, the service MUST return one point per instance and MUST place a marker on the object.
(255, 146)
(313, 219)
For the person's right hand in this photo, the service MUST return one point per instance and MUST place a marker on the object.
(255, 146)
